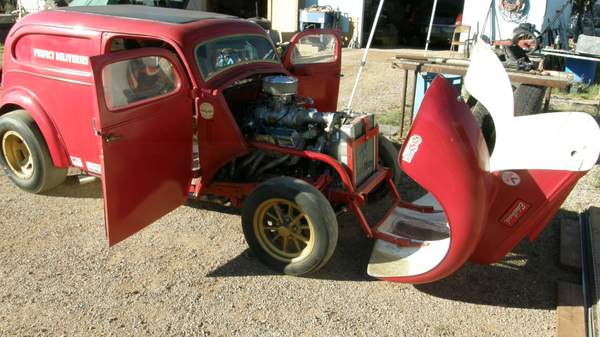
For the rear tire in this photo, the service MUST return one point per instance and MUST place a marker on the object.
(24, 155)
(529, 100)
(486, 123)
(388, 157)
(290, 226)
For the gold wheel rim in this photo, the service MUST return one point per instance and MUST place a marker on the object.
(17, 155)
(283, 230)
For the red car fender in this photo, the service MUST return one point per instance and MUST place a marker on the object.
(445, 153)
(521, 208)
(26, 100)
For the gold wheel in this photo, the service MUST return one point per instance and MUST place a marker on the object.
(17, 155)
(283, 230)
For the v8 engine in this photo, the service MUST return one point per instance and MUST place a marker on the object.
(283, 118)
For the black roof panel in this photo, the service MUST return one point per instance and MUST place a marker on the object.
(161, 14)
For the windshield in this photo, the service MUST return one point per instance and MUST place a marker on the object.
(217, 55)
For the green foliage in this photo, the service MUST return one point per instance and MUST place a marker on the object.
(391, 117)
(590, 93)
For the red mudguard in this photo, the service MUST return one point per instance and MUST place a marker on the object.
(521, 210)
(488, 212)
(445, 153)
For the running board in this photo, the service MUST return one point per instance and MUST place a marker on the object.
(428, 232)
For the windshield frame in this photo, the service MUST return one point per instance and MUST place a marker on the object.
(237, 65)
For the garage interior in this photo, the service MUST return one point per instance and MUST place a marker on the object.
(240, 8)
(403, 23)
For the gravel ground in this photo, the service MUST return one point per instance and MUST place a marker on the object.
(191, 274)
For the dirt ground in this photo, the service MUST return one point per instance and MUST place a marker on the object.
(191, 274)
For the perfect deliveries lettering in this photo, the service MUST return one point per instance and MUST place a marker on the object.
(60, 56)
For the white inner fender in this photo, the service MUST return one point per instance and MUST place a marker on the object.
(390, 260)
(551, 141)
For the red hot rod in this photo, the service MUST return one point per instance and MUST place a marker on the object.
(165, 105)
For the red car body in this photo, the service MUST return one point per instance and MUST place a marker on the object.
(67, 102)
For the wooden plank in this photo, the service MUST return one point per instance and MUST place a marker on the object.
(516, 77)
(547, 99)
(551, 80)
(548, 80)
(403, 87)
(406, 64)
(570, 245)
(569, 313)
(410, 102)
(595, 239)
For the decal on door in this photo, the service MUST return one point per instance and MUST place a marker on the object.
(514, 213)
(411, 148)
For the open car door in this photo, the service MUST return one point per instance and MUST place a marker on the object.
(315, 57)
(144, 126)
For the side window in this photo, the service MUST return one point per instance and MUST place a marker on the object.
(133, 80)
(318, 48)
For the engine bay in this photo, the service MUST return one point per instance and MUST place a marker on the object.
(268, 109)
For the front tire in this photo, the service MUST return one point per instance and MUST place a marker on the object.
(290, 226)
(24, 155)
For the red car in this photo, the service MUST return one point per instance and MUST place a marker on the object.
(165, 105)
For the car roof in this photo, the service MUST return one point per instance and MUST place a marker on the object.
(159, 14)
(159, 22)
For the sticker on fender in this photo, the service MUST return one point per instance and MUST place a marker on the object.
(514, 213)
(411, 148)
(511, 178)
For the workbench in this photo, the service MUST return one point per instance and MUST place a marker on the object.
(411, 67)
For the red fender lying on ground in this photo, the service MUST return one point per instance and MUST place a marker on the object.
(478, 213)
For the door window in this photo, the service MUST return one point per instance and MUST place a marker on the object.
(129, 81)
(317, 48)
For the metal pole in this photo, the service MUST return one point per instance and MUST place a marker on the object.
(364, 59)
(430, 26)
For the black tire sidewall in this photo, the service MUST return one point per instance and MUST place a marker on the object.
(313, 203)
(11, 122)
(528, 99)
(388, 156)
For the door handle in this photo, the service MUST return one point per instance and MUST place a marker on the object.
(110, 137)
(106, 137)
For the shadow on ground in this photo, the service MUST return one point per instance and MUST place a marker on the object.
(210, 206)
(526, 278)
(72, 189)
(348, 263)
